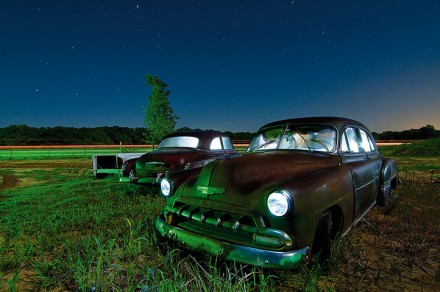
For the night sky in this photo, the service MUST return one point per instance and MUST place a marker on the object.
(230, 65)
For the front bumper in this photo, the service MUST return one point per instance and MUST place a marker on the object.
(234, 252)
(145, 177)
(144, 180)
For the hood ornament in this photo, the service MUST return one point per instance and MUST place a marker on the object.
(208, 190)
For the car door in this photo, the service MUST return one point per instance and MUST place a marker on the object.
(360, 154)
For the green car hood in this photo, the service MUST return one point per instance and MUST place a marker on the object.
(236, 181)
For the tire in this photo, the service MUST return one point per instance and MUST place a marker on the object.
(383, 197)
(323, 237)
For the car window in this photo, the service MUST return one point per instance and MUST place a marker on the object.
(180, 141)
(356, 141)
(267, 139)
(227, 144)
(310, 137)
(352, 138)
(370, 142)
(216, 144)
(344, 143)
(365, 143)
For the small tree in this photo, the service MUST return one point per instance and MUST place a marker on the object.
(159, 115)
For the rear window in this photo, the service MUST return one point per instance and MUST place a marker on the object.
(180, 141)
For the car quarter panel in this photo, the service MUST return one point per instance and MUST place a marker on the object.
(389, 171)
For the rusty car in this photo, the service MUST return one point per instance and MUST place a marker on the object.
(180, 155)
(302, 183)
(114, 164)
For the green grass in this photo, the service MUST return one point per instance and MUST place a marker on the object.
(67, 219)
(61, 153)
(426, 148)
(68, 153)
(70, 231)
(61, 229)
(417, 161)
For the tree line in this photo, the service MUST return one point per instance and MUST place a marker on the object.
(23, 135)
(426, 132)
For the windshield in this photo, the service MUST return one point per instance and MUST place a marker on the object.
(180, 141)
(311, 137)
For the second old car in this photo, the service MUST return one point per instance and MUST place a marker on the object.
(303, 182)
(181, 154)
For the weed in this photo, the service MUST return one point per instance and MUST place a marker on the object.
(396, 269)
(12, 283)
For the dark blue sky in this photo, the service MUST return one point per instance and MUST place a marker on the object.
(230, 65)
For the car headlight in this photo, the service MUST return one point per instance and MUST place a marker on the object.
(279, 203)
(166, 187)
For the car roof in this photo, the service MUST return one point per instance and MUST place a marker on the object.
(337, 122)
(201, 134)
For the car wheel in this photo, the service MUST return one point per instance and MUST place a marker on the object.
(323, 237)
(383, 197)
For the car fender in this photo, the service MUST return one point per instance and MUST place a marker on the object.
(389, 172)
(311, 194)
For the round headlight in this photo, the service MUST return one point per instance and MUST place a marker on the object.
(166, 186)
(278, 203)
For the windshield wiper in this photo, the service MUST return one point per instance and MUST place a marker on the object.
(262, 145)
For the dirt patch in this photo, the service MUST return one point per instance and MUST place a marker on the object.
(400, 253)
(8, 181)
(395, 248)
(24, 280)
(16, 174)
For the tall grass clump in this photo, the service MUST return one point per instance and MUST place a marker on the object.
(191, 272)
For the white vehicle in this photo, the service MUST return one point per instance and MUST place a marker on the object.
(105, 164)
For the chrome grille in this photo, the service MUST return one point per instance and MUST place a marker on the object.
(237, 228)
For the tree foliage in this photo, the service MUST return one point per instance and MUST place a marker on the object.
(18, 135)
(426, 132)
(22, 135)
(160, 119)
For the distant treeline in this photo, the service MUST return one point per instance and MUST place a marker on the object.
(18, 135)
(22, 135)
(426, 132)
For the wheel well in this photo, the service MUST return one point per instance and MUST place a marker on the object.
(325, 235)
(338, 221)
(394, 183)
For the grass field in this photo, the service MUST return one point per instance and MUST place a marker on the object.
(80, 151)
(8, 153)
(61, 229)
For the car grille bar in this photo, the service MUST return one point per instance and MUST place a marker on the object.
(237, 228)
